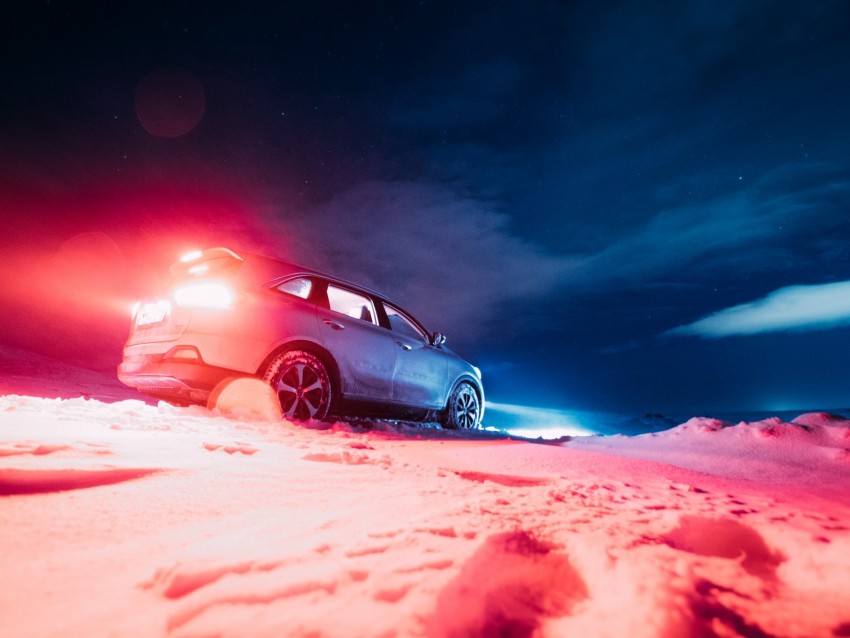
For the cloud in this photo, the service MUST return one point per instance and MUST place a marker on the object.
(760, 226)
(451, 259)
(459, 263)
(676, 237)
(794, 308)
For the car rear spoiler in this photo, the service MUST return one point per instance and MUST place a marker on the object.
(219, 260)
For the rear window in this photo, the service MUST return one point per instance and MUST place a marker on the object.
(299, 287)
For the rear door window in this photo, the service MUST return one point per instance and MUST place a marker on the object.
(351, 304)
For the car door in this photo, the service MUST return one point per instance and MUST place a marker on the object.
(364, 351)
(420, 372)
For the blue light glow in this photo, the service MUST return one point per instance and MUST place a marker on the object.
(531, 422)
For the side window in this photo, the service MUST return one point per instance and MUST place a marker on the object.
(402, 325)
(351, 304)
(299, 287)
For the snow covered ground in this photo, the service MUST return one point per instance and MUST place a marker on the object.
(133, 519)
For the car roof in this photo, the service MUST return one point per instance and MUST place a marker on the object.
(277, 268)
(270, 269)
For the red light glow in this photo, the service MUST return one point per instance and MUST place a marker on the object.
(191, 256)
(83, 248)
(151, 313)
(204, 295)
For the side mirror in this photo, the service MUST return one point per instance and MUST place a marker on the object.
(437, 339)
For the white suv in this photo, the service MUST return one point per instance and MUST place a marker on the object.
(326, 346)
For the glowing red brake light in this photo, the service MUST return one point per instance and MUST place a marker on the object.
(204, 295)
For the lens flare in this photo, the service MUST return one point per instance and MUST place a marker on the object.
(204, 295)
(170, 102)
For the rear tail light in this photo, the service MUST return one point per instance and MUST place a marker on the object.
(204, 295)
(151, 312)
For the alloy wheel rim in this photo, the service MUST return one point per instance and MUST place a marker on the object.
(466, 409)
(301, 391)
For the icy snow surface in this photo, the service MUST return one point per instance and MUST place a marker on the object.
(129, 519)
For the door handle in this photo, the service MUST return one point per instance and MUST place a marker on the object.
(336, 325)
(404, 346)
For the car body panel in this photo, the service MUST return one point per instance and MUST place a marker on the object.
(364, 354)
(420, 374)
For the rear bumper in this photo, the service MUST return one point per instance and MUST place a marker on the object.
(173, 379)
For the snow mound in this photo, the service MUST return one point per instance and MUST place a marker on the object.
(697, 424)
(812, 450)
(821, 419)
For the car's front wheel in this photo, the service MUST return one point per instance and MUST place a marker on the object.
(464, 409)
(302, 385)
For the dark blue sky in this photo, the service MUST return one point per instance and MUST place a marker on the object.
(566, 189)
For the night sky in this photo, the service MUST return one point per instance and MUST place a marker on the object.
(621, 206)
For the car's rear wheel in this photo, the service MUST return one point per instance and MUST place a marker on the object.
(464, 409)
(302, 385)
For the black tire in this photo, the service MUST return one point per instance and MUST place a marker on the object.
(464, 409)
(302, 385)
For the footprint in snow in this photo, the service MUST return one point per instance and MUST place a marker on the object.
(35, 449)
(509, 587)
(347, 457)
(231, 448)
(725, 538)
(14, 482)
(508, 480)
